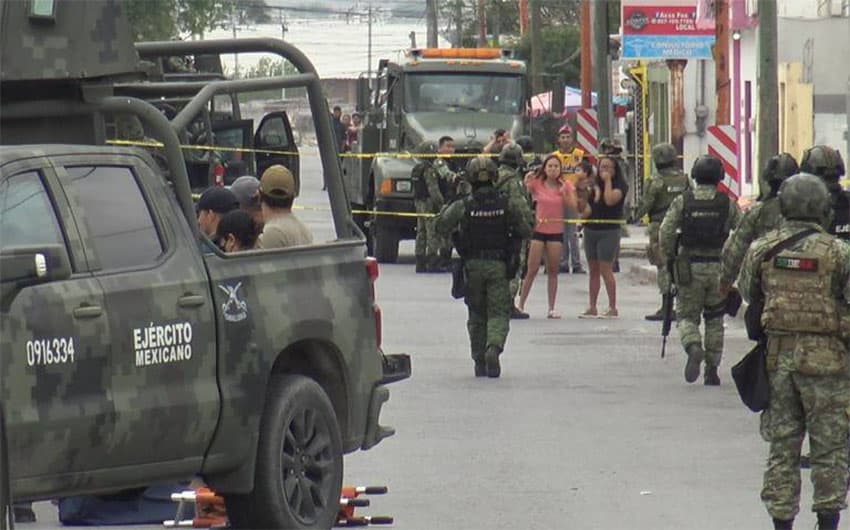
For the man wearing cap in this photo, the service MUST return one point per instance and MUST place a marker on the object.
(245, 189)
(282, 228)
(570, 157)
(213, 204)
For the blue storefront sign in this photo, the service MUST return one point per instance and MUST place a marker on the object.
(667, 46)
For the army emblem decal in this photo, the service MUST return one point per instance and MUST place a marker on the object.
(233, 309)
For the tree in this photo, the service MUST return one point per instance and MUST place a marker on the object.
(151, 19)
(196, 17)
(559, 44)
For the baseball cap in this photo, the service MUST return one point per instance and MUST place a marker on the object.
(566, 129)
(277, 182)
(245, 189)
(218, 199)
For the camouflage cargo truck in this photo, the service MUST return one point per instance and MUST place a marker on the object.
(132, 350)
(463, 93)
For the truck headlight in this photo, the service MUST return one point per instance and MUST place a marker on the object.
(403, 186)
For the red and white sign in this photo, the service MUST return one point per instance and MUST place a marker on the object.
(722, 144)
(587, 132)
(675, 20)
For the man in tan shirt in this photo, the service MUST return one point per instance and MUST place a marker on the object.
(282, 228)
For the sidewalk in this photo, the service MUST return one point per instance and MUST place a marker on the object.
(634, 246)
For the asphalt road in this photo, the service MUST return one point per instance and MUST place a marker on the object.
(587, 427)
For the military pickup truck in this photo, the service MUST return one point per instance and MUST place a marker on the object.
(465, 93)
(134, 351)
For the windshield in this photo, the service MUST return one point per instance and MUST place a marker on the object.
(463, 92)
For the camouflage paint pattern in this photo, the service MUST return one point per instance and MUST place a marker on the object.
(660, 193)
(429, 243)
(510, 182)
(801, 404)
(90, 425)
(698, 299)
(488, 299)
(756, 222)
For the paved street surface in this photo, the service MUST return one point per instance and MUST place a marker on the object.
(587, 428)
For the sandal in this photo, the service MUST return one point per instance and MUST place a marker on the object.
(589, 313)
(610, 313)
(553, 314)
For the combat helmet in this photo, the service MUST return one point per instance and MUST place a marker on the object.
(805, 197)
(525, 143)
(707, 170)
(664, 155)
(823, 161)
(426, 147)
(511, 155)
(481, 169)
(779, 168)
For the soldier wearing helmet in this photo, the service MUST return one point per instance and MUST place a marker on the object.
(694, 230)
(826, 163)
(761, 218)
(429, 196)
(486, 222)
(799, 277)
(510, 182)
(665, 185)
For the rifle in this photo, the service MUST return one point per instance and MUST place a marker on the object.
(668, 298)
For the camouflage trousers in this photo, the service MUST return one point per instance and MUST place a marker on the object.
(520, 273)
(697, 300)
(653, 253)
(489, 305)
(428, 242)
(802, 403)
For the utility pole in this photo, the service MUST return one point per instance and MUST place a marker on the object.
(458, 24)
(768, 117)
(602, 80)
(431, 21)
(523, 17)
(586, 56)
(721, 61)
(677, 103)
(536, 47)
(482, 24)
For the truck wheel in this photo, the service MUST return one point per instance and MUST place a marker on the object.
(298, 474)
(386, 245)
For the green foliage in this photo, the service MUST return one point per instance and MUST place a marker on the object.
(196, 17)
(269, 67)
(152, 19)
(558, 43)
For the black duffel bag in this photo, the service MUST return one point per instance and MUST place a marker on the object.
(750, 375)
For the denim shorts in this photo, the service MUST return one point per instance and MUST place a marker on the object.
(601, 245)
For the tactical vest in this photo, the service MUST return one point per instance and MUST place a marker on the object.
(420, 188)
(798, 290)
(673, 185)
(704, 221)
(486, 225)
(840, 226)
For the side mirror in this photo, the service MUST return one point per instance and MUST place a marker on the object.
(33, 264)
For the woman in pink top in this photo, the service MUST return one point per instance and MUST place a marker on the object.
(551, 195)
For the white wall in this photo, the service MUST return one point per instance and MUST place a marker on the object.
(696, 143)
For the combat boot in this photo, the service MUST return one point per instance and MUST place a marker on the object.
(710, 378)
(657, 316)
(828, 520)
(783, 524)
(695, 357)
(518, 314)
(421, 264)
(480, 367)
(491, 357)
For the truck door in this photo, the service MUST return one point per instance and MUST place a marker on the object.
(160, 311)
(275, 134)
(54, 336)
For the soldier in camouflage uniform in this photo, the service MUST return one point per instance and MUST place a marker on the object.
(826, 163)
(487, 221)
(803, 285)
(510, 182)
(698, 223)
(667, 184)
(428, 198)
(757, 221)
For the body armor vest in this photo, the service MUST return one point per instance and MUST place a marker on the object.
(420, 189)
(486, 231)
(673, 185)
(704, 221)
(799, 294)
(840, 226)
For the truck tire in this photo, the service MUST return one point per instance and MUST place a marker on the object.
(298, 474)
(386, 245)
